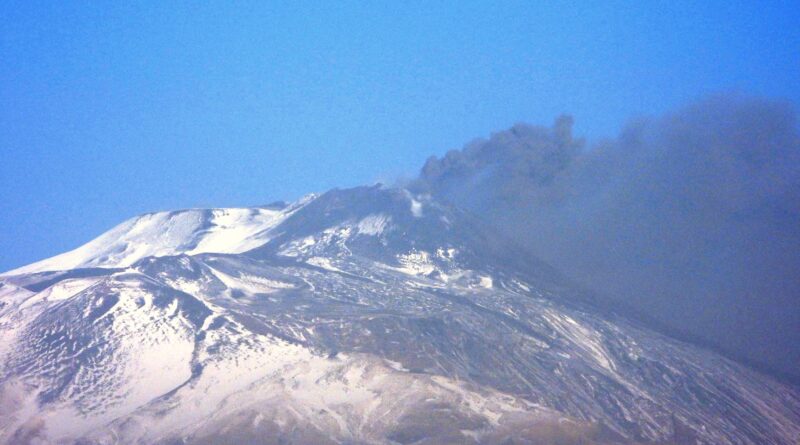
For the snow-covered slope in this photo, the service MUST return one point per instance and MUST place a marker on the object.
(362, 316)
(229, 230)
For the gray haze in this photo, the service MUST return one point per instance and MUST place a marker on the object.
(689, 218)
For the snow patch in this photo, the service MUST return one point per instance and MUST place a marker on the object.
(61, 291)
(251, 284)
(373, 224)
(583, 337)
(416, 262)
(323, 263)
(416, 208)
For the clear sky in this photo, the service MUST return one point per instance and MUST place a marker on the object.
(111, 111)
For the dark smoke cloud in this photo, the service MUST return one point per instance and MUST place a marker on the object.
(692, 218)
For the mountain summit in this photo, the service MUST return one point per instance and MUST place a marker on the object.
(363, 316)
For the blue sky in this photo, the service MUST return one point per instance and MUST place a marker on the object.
(111, 111)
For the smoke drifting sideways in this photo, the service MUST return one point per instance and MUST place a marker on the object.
(691, 219)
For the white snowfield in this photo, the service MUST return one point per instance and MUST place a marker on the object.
(193, 231)
(356, 317)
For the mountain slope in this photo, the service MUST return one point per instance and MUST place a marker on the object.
(231, 230)
(367, 316)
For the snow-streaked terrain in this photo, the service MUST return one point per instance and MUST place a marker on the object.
(362, 316)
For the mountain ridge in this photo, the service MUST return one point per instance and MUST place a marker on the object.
(368, 315)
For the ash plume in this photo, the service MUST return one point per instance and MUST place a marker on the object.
(691, 218)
